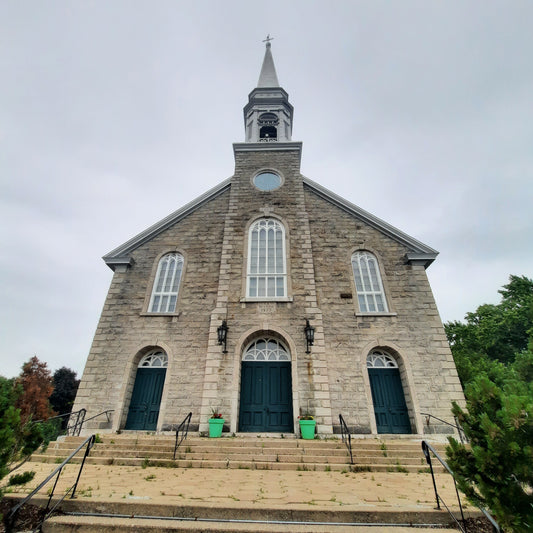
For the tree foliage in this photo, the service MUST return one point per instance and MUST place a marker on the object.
(65, 388)
(495, 365)
(495, 332)
(36, 383)
(18, 440)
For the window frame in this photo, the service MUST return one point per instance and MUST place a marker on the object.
(180, 260)
(371, 294)
(267, 274)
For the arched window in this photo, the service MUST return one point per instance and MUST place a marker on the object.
(167, 284)
(380, 359)
(266, 349)
(266, 276)
(154, 359)
(370, 294)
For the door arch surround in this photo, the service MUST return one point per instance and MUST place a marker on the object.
(388, 397)
(146, 383)
(402, 355)
(264, 329)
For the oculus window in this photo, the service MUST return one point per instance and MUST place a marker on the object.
(167, 284)
(266, 273)
(368, 284)
(267, 181)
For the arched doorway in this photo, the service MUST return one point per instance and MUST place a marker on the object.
(146, 396)
(388, 397)
(266, 388)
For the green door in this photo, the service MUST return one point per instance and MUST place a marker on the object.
(146, 399)
(266, 397)
(389, 401)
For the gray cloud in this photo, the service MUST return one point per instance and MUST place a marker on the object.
(113, 115)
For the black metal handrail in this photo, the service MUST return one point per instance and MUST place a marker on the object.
(427, 448)
(183, 430)
(346, 437)
(106, 413)
(460, 431)
(78, 423)
(12, 514)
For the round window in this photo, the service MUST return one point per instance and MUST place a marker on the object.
(267, 181)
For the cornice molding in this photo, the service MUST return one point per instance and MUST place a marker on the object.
(420, 253)
(120, 255)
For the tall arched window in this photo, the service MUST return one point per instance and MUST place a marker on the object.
(167, 284)
(370, 294)
(267, 275)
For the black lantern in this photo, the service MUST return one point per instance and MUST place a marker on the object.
(309, 335)
(222, 334)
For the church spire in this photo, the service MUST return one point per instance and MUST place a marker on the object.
(268, 113)
(268, 76)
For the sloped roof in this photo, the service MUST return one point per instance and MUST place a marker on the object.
(419, 252)
(120, 255)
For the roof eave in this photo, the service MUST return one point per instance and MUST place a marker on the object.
(121, 254)
(420, 253)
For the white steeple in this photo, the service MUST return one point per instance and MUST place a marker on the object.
(268, 114)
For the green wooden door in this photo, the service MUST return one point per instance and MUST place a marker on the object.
(146, 399)
(389, 401)
(266, 397)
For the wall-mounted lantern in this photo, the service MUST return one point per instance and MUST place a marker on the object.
(309, 335)
(222, 334)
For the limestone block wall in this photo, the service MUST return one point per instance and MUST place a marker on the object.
(284, 319)
(412, 330)
(126, 331)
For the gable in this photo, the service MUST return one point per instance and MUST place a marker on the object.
(418, 253)
(121, 256)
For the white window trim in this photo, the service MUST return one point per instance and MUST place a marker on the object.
(179, 260)
(379, 355)
(283, 274)
(372, 293)
(268, 354)
(152, 357)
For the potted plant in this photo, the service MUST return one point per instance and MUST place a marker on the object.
(307, 426)
(216, 422)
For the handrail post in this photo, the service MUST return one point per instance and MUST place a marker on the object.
(428, 461)
(348, 439)
(87, 450)
(460, 505)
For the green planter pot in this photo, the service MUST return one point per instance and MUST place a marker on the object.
(307, 429)
(215, 427)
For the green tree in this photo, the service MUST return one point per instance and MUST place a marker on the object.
(64, 393)
(495, 365)
(496, 469)
(497, 332)
(17, 440)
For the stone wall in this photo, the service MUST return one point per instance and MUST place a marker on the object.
(320, 239)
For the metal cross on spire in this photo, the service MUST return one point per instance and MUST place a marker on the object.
(268, 39)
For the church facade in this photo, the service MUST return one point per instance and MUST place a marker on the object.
(267, 298)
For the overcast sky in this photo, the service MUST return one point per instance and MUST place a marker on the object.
(115, 113)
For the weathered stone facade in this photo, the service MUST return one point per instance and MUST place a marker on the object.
(322, 232)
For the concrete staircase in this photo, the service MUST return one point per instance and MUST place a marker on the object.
(256, 453)
(261, 457)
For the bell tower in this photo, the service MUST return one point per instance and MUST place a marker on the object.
(268, 114)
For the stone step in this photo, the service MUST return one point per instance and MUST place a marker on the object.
(253, 453)
(71, 524)
(126, 517)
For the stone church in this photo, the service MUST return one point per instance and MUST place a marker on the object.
(267, 298)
